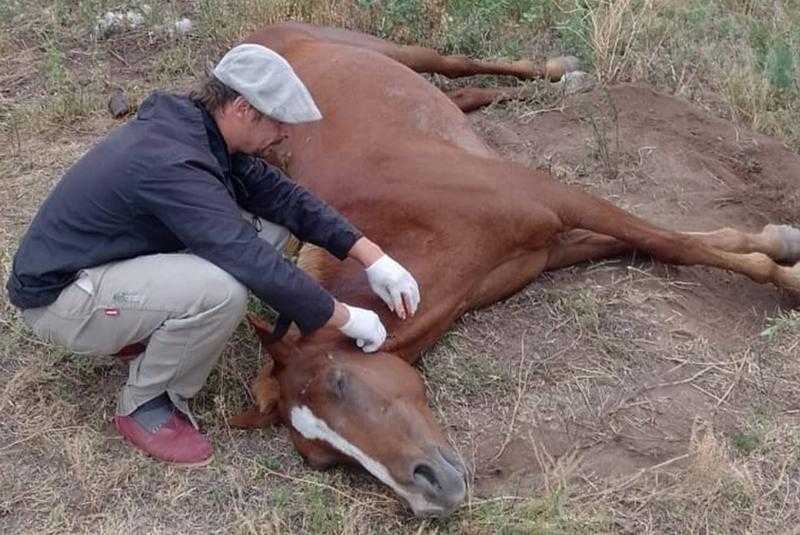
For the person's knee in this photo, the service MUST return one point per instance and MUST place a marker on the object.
(221, 290)
(237, 297)
(230, 294)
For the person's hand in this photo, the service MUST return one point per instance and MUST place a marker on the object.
(395, 285)
(365, 327)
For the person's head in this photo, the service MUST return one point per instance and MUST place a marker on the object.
(255, 96)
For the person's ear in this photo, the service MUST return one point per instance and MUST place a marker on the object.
(241, 108)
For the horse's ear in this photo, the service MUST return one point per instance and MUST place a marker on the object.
(262, 328)
(267, 393)
(281, 350)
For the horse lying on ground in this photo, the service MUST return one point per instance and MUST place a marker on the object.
(398, 158)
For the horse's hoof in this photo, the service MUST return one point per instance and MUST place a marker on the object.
(788, 239)
(558, 67)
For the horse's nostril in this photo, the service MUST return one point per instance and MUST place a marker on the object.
(425, 472)
(452, 459)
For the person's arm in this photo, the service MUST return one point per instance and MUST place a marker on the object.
(196, 207)
(270, 194)
(267, 192)
(388, 279)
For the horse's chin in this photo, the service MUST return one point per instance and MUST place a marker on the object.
(423, 508)
(428, 510)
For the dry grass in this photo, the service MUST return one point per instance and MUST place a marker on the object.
(616, 26)
(591, 402)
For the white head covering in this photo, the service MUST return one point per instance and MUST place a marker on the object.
(268, 83)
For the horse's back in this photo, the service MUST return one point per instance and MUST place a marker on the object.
(369, 100)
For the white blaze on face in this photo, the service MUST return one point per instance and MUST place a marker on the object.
(312, 428)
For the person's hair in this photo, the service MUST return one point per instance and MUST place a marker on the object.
(212, 94)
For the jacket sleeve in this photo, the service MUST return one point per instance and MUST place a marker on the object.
(269, 193)
(197, 208)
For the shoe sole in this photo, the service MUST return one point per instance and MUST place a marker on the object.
(198, 464)
(141, 452)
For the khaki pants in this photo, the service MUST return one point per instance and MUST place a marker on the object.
(184, 307)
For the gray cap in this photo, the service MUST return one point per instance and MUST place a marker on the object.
(268, 83)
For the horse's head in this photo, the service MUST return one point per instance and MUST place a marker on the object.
(348, 407)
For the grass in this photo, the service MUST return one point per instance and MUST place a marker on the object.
(584, 365)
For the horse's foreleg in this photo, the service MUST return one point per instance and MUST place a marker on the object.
(422, 59)
(428, 60)
(471, 98)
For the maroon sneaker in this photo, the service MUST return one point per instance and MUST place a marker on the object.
(176, 442)
(130, 352)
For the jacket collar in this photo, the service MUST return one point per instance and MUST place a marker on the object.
(215, 140)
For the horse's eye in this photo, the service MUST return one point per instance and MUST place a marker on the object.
(337, 382)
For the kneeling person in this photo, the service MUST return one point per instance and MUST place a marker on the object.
(143, 242)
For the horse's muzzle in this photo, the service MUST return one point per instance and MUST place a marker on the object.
(441, 478)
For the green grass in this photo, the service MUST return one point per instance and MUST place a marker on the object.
(745, 443)
(461, 372)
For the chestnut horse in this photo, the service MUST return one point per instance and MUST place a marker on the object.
(398, 158)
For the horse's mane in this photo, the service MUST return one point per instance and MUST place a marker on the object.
(315, 261)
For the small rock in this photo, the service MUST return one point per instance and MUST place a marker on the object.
(183, 26)
(178, 28)
(113, 22)
(134, 19)
(118, 104)
(556, 68)
(576, 82)
(108, 24)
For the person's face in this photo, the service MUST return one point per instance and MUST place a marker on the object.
(264, 132)
(256, 132)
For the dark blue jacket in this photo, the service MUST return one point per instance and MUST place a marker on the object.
(163, 183)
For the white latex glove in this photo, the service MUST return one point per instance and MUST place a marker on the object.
(395, 285)
(366, 327)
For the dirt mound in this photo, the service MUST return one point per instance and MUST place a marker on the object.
(613, 368)
(671, 160)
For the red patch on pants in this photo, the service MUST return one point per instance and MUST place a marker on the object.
(112, 312)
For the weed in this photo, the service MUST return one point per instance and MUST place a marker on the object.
(604, 150)
(54, 70)
(176, 63)
(779, 65)
(574, 31)
(784, 322)
(581, 305)
(745, 443)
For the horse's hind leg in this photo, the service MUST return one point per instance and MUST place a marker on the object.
(577, 209)
(779, 242)
(422, 59)
(575, 246)
(584, 211)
